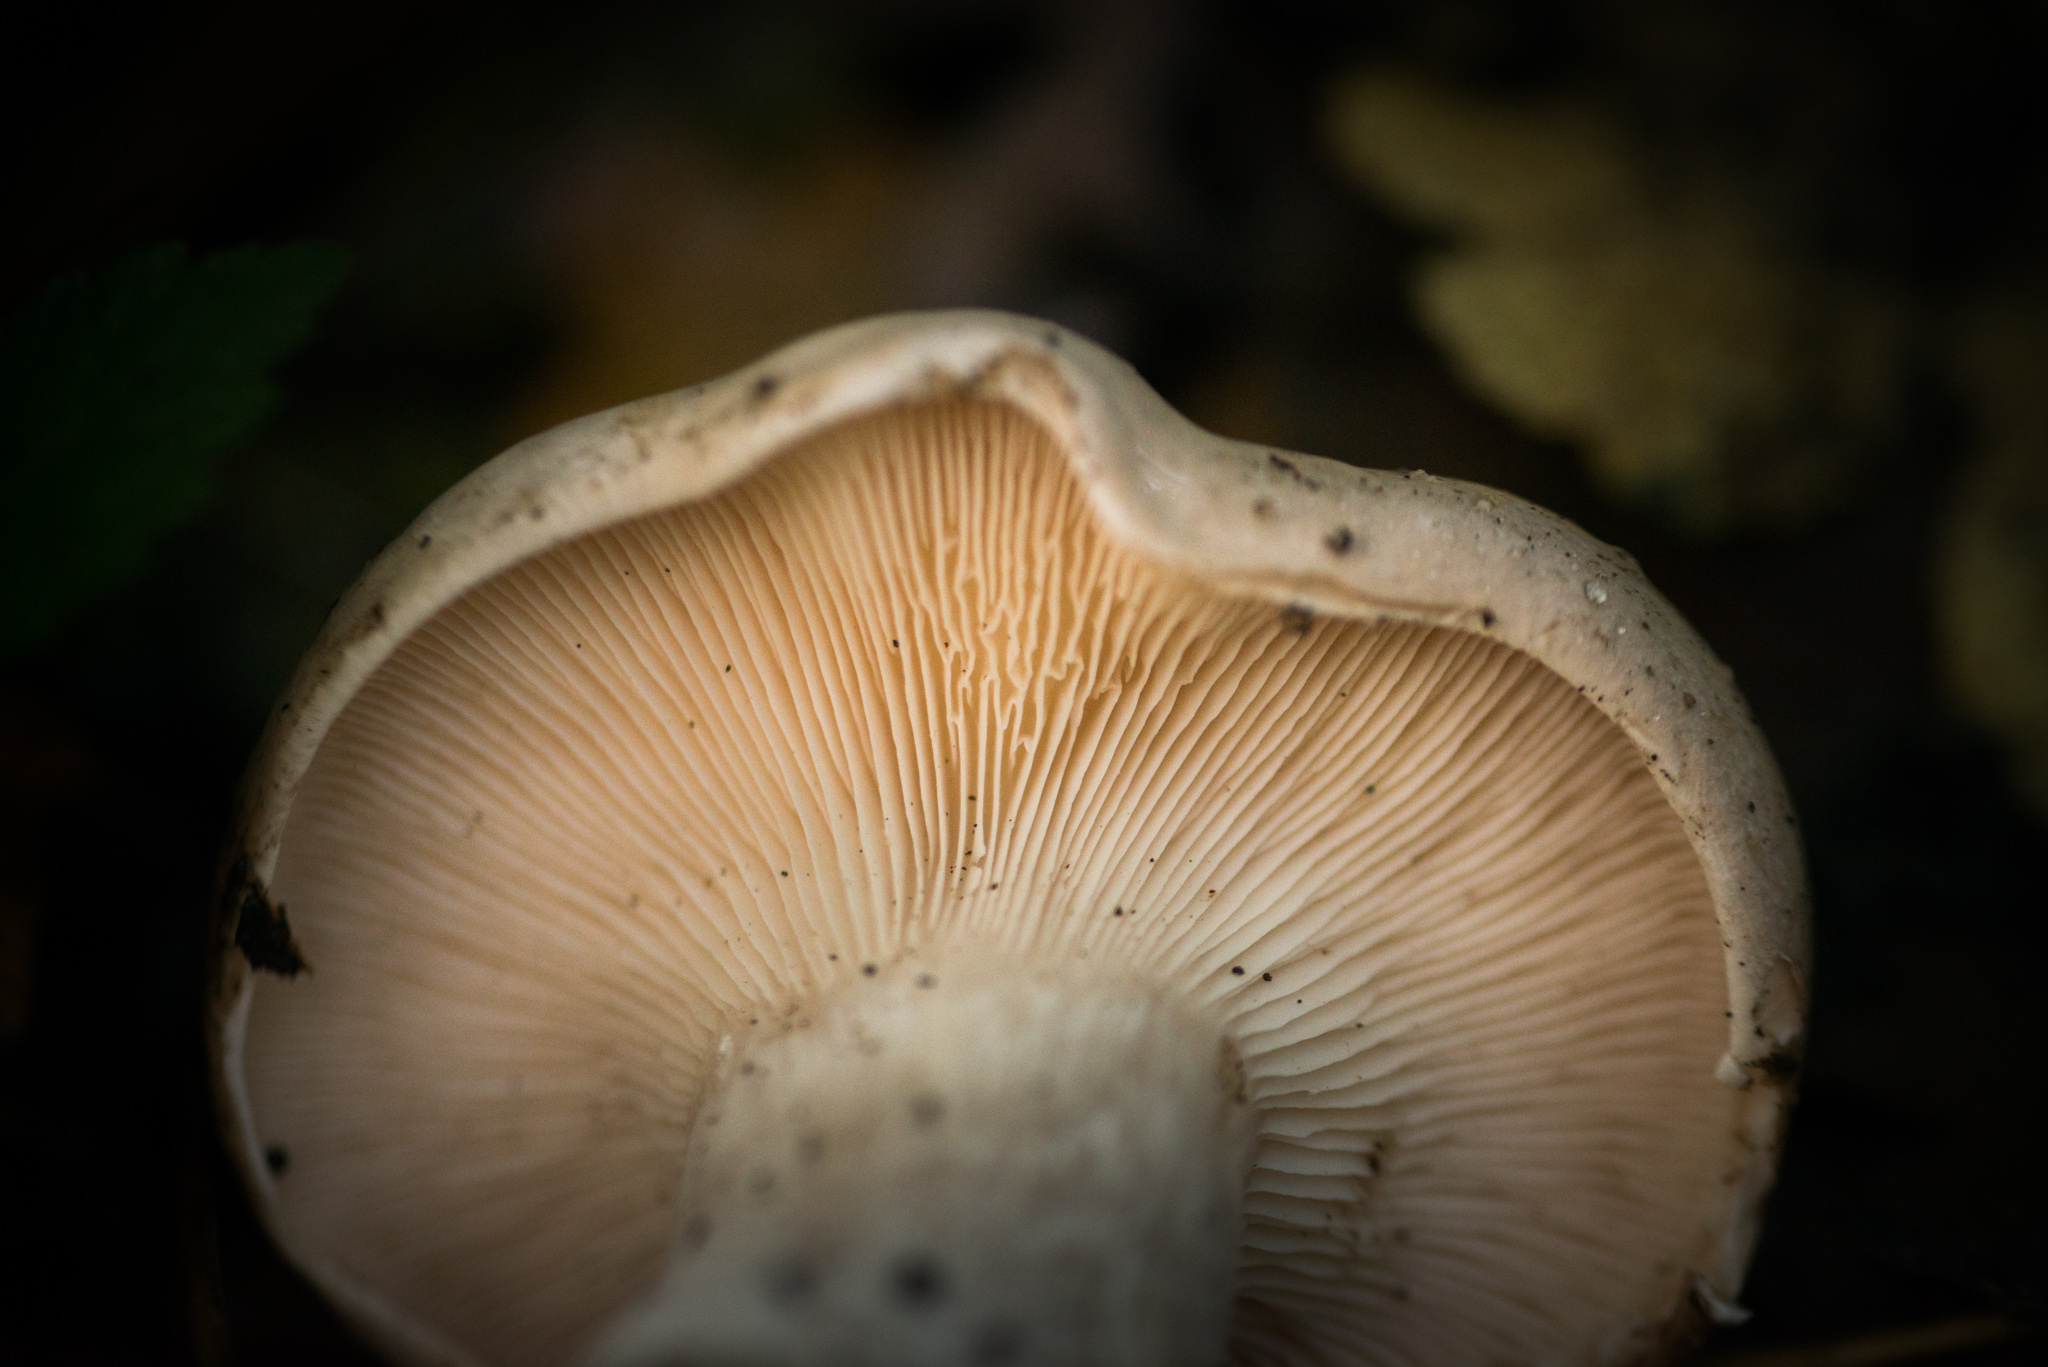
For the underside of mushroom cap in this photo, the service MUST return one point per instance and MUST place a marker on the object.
(943, 632)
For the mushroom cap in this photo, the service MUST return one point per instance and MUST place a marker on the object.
(944, 628)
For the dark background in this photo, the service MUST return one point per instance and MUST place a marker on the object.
(551, 213)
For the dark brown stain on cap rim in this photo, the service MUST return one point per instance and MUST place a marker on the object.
(261, 931)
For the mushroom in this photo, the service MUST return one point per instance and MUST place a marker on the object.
(914, 853)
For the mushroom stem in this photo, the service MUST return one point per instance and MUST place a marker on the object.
(945, 1163)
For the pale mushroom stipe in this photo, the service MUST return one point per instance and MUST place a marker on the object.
(914, 853)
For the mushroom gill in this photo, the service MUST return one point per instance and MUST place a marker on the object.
(896, 695)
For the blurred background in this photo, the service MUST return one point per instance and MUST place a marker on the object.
(1756, 290)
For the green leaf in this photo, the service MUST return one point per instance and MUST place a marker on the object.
(120, 392)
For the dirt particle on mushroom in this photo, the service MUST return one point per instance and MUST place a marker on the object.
(372, 620)
(1292, 471)
(265, 937)
(277, 1159)
(1339, 541)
